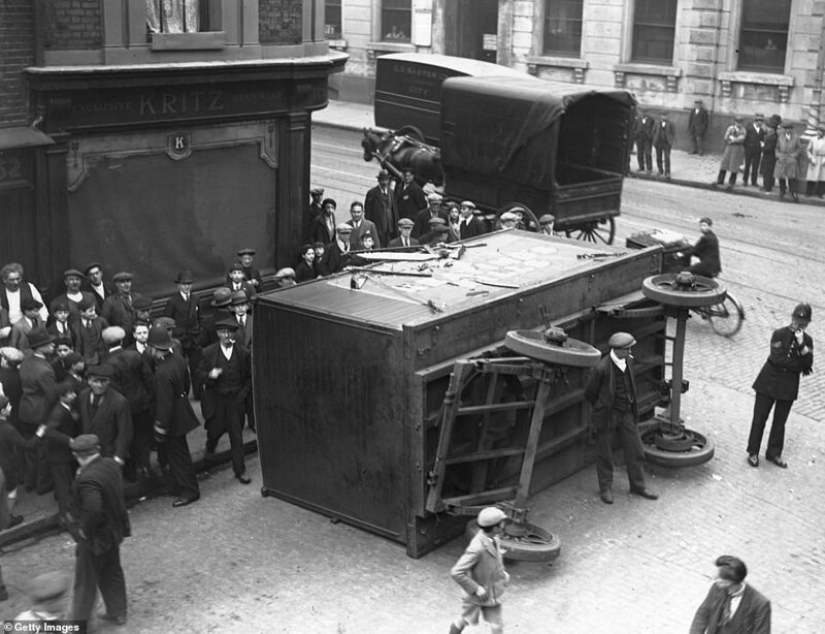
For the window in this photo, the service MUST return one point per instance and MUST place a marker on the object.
(563, 27)
(763, 39)
(332, 22)
(654, 29)
(396, 20)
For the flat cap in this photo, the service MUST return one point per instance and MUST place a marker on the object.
(406, 222)
(63, 304)
(803, 311)
(113, 334)
(285, 272)
(438, 220)
(509, 216)
(141, 303)
(491, 516)
(164, 322)
(247, 251)
(787, 124)
(122, 276)
(343, 227)
(468, 203)
(239, 297)
(73, 273)
(317, 191)
(547, 219)
(221, 297)
(759, 116)
(85, 444)
(227, 323)
(440, 229)
(621, 340)
(435, 197)
(739, 118)
(100, 371)
(11, 355)
(50, 586)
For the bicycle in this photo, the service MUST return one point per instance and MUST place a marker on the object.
(725, 318)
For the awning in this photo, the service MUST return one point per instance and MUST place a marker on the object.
(23, 136)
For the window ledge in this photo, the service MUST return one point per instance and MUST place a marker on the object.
(207, 41)
(375, 48)
(577, 65)
(338, 45)
(783, 83)
(670, 73)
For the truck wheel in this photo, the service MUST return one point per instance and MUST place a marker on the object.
(683, 290)
(598, 231)
(529, 543)
(530, 343)
(672, 445)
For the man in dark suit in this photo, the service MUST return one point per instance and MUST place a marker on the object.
(361, 227)
(221, 302)
(105, 413)
(611, 390)
(183, 308)
(697, 127)
(469, 226)
(380, 208)
(777, 385)
(706, 250)
(240, 309)
(96, 285)
(643, 133)
(60, 427)
(100, 523)
(731, 605)
(174, 416)
(118, 309)
(237, 282)
(409, 198)
(754, 140)
(132, 377)
(226, 372)
(664, 135)
(404, 239)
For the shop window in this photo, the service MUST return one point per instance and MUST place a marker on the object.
(763, 39)
(563, 27)
(654, 30)
(396, 20)
(332, 21)
(182, 16)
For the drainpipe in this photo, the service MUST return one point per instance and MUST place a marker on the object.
(814, 110)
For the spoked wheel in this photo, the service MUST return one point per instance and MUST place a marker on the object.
(412, 132)
(683, 290)
(530, 222)
(672, 445)
(725, 318)
(599, 231)
(524, 541)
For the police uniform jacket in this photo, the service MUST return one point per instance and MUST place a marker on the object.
(173, 411)
(481, 564)
(753, 616)
(600, 390)
(779, 377)
(39, 390)
(212, 358)
(110, 420)
(98, 506)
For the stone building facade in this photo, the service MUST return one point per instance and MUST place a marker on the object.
(738, 56)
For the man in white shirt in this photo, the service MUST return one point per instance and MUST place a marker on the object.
(15, 289)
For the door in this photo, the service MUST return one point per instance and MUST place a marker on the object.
(471, 29)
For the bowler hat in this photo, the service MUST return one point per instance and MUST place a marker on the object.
(621, 340)
(247, 251)
(184, 277)
(239, 297)
(113, 334)
(122, 276)
(85, 444)
(100, 371)
(160, 338)
(383, 174)
(803, 311)
(226, 324)
(72, 273)
(49, 586)
(775, 120)
(221, 297)
(39, 337)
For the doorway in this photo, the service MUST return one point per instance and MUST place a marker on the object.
(471, 29)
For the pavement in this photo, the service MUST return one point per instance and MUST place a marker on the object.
(689, 170)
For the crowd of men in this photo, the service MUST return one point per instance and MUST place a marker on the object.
(769, 148)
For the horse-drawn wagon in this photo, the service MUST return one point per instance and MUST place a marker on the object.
(519, 142)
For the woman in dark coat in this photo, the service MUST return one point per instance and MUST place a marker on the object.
(769, 153)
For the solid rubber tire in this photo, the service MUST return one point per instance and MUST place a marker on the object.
(673, 458)
(518, 551)
(573, 352)
(654, 287)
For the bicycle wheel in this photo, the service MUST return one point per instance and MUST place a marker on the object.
(725, 318)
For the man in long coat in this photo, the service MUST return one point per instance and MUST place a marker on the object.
(381, 209)
(697, 127)
(786, 171)
(754, 138)
(816, 163)
(643, 135)
(183, 308)
(734, 154)
(769, 152)
(664, 135)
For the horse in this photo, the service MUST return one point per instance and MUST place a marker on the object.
(395, 152)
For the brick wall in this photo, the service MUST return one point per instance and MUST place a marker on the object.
(73, 25)
(281, 21)
(16, 53)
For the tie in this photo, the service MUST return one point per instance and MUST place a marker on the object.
(128, 300)
(86, 323)
(726, 609)
(406, 243)
(94, 403)
(243, 321)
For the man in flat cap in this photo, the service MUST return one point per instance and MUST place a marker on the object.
(118, 309)
(246, 257)
(105, 413)
(337, 255)
(380, 208)
(438, 232)
(226, 371)
(73, 279)
(697, 127)
(96, 285)
(816, 163)
(754, 140)
(285, 277)
(132, 377)
(312, 211)
(49, 593)
(409, 197)
(734, 153)
(546, 224)
(87, 332)
(174, 416)
(434, 209)
(183, 308)
(788, 151)
(360, 227)
(508, 220)
(777, 385)
(611, 390)
(404, 239)
(469, 225)
(237, 282)
(100, 524)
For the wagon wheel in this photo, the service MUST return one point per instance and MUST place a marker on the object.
(683, 290)
(531, 222)
(523, 541)
(412, 132)
(671, 445)
(572, 352)
(599, 231)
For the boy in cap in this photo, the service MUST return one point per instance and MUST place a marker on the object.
(508, 220)
(433, 210)
(237, 282)
(60, 427)
(30, 320)
(611, 390)
(95, 284)
(409, 197)
(404, 239)
(246, 257)
(546, 224)
(59, 326)
(105, 413)
(469, 225)
(87, 332)
(777, 385)
(480, 573)
(706, 250)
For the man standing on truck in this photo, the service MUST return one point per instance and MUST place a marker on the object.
(381, 209)
(410, 198)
